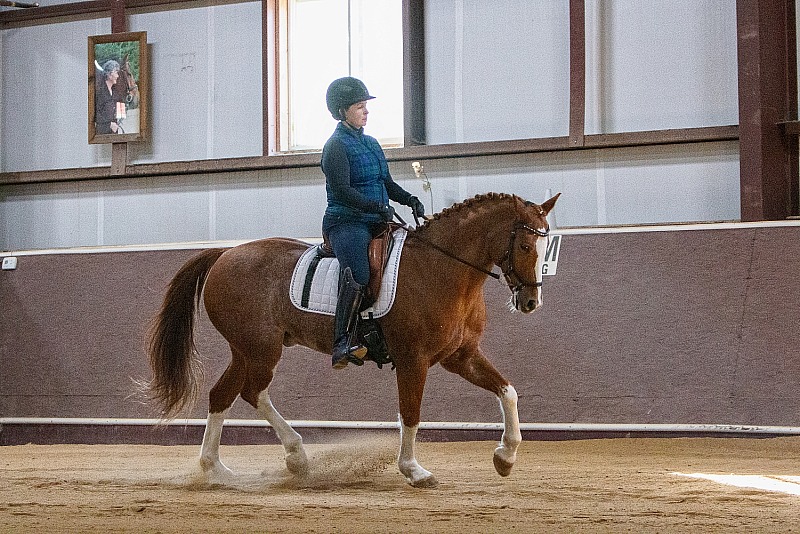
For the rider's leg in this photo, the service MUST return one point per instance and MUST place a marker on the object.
(350, 242)
(345, 345)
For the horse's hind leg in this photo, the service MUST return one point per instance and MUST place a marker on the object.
(221, 397)
(296, 459)
(474, 367)
(260, 373)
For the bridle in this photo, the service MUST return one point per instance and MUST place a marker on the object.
(130, 84)
(508, 256)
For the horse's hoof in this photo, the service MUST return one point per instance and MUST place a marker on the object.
(297, 464)
(214, 470)
(427, 482)
(502, 467)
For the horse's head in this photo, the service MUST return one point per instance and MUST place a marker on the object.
(522, 263)
(129, 82)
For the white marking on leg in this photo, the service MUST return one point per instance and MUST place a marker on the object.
(512, 437)
(210, 463)
(296, 459)
(415, 474)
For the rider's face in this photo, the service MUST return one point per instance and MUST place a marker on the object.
(356, 115)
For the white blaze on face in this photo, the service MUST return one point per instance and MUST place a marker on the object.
(541, 251)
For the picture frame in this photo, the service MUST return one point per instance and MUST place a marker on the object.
(118, 88)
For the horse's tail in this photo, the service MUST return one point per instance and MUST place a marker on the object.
(177, 372)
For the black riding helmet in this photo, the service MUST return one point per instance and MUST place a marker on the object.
(343, 93)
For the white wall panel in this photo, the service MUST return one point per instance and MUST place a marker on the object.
(235, 92)
(647, 185)
(285, 203)
(156, 210)
(205, 83)
(44, 99)
(48, 216)
(675, 183)
(660, 64)
(668, 184)
(496, 70)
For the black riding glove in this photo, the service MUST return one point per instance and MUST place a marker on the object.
(416, 207)
(386, 213)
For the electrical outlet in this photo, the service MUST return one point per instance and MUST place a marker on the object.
(9, 263)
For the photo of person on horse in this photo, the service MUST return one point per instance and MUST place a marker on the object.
(116, 87)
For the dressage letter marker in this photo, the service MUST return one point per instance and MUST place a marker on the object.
(550, 262)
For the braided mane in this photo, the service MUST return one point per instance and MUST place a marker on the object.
(467, 204)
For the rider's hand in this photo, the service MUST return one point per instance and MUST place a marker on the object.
(386, 213)
(416, 207)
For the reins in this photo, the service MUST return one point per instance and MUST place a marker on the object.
(413, 233)
(452, 256)
(508, 254)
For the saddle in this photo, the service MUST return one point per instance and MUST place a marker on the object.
(379, 249)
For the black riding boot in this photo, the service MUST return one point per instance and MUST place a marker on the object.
(345, 347)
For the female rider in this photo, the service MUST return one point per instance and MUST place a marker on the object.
(359, 187)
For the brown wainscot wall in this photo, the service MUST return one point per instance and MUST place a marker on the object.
(694, 326)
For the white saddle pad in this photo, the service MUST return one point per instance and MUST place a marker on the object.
(325, 284)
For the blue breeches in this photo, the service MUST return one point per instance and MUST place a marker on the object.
(350, 242)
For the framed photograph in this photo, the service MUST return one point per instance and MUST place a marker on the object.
(118, 88)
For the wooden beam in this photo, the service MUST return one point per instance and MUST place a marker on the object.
(577, 72)
(767, 97)
(119, 151)
(408, 153)
(91, 7)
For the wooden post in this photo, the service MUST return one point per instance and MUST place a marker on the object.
(577, 72)
(119, 151)
(767, 97)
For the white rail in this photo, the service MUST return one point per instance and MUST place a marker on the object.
(430, 425)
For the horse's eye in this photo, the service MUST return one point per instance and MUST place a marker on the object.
(525, 247)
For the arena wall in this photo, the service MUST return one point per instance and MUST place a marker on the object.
(682, 324)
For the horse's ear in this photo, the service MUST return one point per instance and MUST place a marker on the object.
(548, 205)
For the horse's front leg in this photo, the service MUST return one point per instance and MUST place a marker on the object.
(505, 455)
(410, 386)
(474, 367)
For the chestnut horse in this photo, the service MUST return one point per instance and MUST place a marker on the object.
(128, 88)
(438, 316)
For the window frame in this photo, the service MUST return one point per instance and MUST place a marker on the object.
(276, 83)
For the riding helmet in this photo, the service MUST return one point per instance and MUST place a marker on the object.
(345, 92)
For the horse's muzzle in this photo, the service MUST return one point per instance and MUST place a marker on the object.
(527, 299)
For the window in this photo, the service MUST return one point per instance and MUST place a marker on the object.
(328, 39)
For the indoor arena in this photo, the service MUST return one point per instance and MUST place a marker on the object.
(582, 318)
